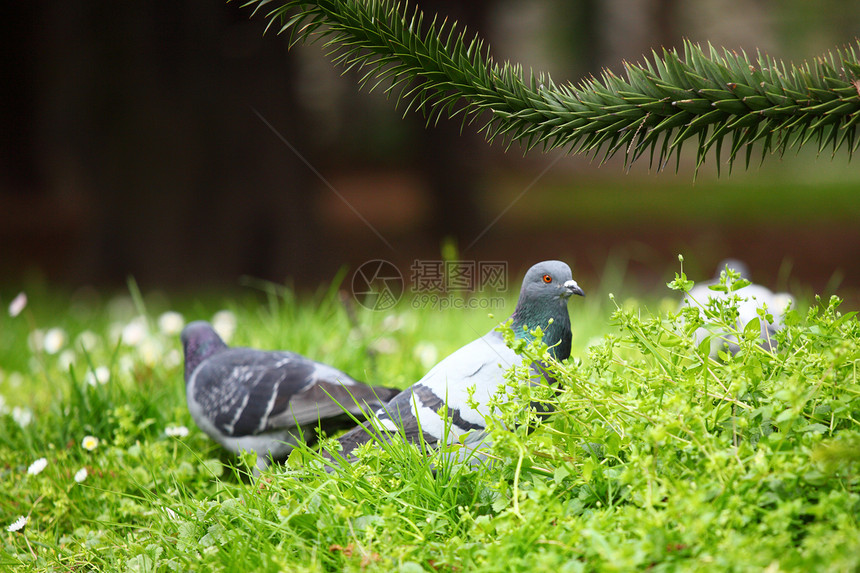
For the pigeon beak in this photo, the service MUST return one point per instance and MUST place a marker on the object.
(571, 288)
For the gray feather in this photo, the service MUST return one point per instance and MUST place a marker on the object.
(256, 400)
(479, 365)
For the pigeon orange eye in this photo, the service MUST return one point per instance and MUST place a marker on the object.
(547, 279)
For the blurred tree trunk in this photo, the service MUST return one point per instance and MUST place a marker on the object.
(448, 161)
(149, 118)
(18, 94)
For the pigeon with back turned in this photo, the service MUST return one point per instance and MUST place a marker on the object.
(254, 400)
(751, 298)
(481, 365)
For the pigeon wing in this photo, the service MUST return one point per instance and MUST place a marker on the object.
(239, 389)
(244, 391)
(395, 417)
(415, 412)
(325, 398)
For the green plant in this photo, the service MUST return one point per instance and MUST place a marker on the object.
(435, 68)
(655, 456)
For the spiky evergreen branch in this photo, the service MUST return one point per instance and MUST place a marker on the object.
(658, 106)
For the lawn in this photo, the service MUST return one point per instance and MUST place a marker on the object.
(657, 456)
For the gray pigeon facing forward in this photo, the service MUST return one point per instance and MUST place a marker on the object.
(752, 297)
(247, 399)
(481, 364)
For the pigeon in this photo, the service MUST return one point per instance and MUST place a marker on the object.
(752, 297)
(481, 365)
(255, 400)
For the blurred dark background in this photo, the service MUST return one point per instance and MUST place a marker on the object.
(139, 138)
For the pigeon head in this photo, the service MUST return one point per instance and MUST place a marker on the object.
(199, 342)
(546, 289)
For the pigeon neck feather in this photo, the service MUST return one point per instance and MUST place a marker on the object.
(199, 349)
(529, 315)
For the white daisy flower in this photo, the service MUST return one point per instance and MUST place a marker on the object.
(172, 359)
(150, 351)
(171, 323)
(90, 443)
(224, 323)
(126, 365)
(135, 331)
(18, 524)
(88, 340)
(15, 379)
(384, 345)
(393, 322)
(37, 466)
(101, 375)
(66, 359)
(54, 341)
(176, 431)
(36, 340)
(81, 475)
(17, 305)
(22, 416)
(426, 353)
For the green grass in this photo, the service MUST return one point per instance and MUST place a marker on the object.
(657, 457)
